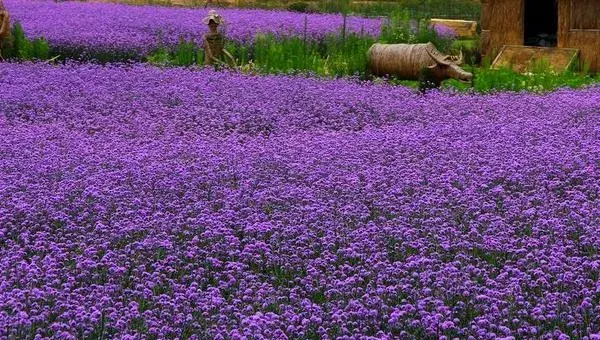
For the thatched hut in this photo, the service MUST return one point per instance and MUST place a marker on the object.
(546, 23)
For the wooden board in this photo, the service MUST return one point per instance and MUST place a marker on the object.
(463, 28)
(522, 58)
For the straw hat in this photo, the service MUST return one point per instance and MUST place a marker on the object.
(212, 15)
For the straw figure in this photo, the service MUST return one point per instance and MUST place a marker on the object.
(214, 42)
(4, 27)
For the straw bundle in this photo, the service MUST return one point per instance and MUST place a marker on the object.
(401, 60)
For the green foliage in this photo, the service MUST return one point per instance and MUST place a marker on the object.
(280, 56)
(333, 56)
(160, 57)
(376, 8)
(40, 49)
(471, 50)
(401, 29)
(455, 9)
(19, 47)
(302, 7)
(335, 6)
(240, 52)
(348, 56)
(185, 53)
(541, 78)
(337, 56)
(199, 56)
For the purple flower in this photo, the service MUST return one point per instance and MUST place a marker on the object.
(139, 202)
(141, 29)
(444, 31)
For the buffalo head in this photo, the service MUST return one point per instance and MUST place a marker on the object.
(446, 67)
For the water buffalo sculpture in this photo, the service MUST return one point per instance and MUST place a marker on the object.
(409, 61)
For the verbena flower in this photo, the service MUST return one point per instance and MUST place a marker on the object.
(140, 202)
(142, 29)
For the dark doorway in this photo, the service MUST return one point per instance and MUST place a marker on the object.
(541, 23)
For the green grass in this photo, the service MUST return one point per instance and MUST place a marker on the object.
(331, 57)
(339, 55)
(336, 57)
(346, 55)
(401, 28)
(540, 79)
(17, 46)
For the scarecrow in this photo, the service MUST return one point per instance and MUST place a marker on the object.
(214, 42)
(4, 27)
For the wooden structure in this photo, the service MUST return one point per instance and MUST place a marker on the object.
(523, 58)
(543, 23)
(463, 28)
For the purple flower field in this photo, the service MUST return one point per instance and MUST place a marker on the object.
(106, 26)
(138, 202)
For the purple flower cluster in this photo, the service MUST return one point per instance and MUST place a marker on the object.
(444, 31)
(138, 202)
(142, 28)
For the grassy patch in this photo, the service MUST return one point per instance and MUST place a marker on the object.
(18, 46)
(541, 79)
